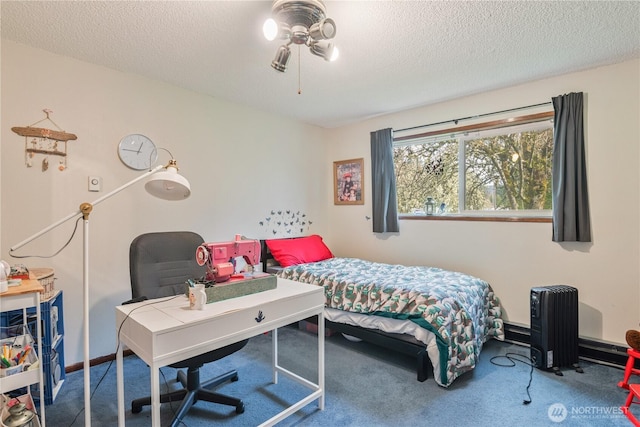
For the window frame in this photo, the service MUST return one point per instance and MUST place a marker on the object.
(476, 215)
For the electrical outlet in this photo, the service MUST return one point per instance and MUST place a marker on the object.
(95, 183)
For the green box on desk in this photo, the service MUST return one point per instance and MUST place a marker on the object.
(233, 288)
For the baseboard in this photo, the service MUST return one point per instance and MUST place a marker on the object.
(588, 349)
(97, 361)
(517, 334)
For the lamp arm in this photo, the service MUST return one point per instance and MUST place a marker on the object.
(128, 184)
(83, 208)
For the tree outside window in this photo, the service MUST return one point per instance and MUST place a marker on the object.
(504, 171)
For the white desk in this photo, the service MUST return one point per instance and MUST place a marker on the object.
(165, 331)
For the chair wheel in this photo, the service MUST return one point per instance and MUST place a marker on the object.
(136, 409)
(240, 408)
(234, 378)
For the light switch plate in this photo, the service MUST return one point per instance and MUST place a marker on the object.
(95, 183)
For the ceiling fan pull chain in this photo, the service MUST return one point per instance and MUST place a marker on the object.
(299, 59)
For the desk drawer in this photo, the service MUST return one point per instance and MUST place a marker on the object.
(221, 329)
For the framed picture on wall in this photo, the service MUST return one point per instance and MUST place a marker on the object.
(348, 182)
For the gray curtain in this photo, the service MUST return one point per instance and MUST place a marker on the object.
(570, 199)
(383, 180)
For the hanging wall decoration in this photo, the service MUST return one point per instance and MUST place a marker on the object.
(348, 183)
(285, 223)
(48, 142)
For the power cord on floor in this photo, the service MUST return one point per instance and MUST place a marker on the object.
(513, 358)
(118, 348)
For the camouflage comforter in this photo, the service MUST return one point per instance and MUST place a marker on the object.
(461, 311)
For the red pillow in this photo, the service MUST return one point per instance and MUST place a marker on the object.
(298, 250)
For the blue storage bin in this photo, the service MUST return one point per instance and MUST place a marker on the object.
(52, 358)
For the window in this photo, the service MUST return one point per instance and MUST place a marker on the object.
(482, 170)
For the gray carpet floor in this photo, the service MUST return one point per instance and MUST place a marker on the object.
(365, 386)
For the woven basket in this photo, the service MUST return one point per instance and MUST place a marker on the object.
(46, 279)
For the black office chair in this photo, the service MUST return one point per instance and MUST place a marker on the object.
(159, 265)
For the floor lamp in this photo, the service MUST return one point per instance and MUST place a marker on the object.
(167, 185)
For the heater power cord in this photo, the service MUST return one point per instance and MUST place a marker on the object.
(511, 360)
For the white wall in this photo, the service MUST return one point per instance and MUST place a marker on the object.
(229, 151)
(514, 257)
(241, 163)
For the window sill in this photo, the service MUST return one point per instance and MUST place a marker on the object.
(453, 217)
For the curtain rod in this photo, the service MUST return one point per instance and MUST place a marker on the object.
(473, 117)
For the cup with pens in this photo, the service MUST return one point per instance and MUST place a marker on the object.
(17, 351)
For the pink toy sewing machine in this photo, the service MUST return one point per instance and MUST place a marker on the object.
(219, 257)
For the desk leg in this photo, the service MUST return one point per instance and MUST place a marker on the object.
(274, 354)
(120, 384)
(321, 358)
(155, 395)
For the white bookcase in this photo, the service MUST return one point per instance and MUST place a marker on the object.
(21, 297)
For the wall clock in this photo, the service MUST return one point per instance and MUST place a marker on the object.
(137, 152)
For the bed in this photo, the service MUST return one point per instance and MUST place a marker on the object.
(442, 317)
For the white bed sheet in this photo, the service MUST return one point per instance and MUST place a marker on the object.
(392, 326)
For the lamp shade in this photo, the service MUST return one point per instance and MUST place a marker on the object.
(168, 184)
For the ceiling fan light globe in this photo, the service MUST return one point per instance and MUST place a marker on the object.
(282, 58)
(270, 29)
(334, 54)
(323, 49)
(323, 30)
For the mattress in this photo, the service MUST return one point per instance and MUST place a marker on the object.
(451, 312)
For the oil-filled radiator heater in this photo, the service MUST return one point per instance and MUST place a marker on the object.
(554, 327)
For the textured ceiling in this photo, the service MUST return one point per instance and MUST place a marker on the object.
(394, 55)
